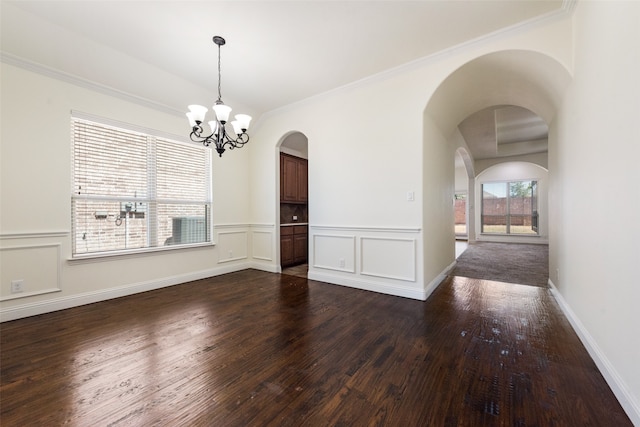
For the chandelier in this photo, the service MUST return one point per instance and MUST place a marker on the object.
(219, 135)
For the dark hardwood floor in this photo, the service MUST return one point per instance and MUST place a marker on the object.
(261, 349)
(300, 270)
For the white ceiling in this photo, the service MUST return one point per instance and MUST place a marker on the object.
(503, 131)
(277, 52)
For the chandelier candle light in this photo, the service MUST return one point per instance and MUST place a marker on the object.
(219, 135)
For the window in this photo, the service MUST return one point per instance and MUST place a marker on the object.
(510, 207)
(133, 191)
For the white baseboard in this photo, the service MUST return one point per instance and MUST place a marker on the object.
(383, 288)
(268, 267)
(630, 405)
(61, 303)
(431, 286)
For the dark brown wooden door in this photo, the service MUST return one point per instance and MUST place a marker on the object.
(286, 250)
(293, 179)
(288, 178)
(300, 248)
(303, 181)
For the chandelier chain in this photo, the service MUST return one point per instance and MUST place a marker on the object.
(219, 77)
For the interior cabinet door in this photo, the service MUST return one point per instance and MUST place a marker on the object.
(300, 247)
(286, 250)
(289, 177)
(303, 183)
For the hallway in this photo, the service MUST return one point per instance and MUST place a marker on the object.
(524, 264)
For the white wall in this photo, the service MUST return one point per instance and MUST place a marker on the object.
(35, 214)
(461, 179)
(358, 189)
(438, 199)
(361, 169)
(594, 197)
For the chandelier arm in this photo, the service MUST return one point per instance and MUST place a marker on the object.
(238, 142)
(196, 136)
(196, 133)
(242, 139)
(197, 129)
(220, 140)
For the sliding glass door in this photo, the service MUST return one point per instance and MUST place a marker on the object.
(510, 208)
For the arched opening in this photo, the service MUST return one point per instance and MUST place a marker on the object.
(507, 84)
(513, 135)
(293, 206)
(464, 174)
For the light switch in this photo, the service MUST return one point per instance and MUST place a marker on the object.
(410, 196)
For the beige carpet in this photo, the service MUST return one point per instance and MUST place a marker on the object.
(524, 264)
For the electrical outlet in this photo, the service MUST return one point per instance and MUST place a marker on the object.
(230, 254)
(341, 262)
(17, 286)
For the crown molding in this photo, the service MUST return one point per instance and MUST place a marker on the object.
(53, 73)
(567, 9)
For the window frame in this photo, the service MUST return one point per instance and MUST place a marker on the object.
(462, 195)
(153, 138)
(535, 217)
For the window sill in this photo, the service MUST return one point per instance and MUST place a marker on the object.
(509, 235)
(135, 253)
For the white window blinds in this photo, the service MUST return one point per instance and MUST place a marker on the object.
(133, 191)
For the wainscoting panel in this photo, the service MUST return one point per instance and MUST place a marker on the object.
(334, 252)
(262, 244)
(388, 258)
(379, 259)
(35, 265)
(232, 245)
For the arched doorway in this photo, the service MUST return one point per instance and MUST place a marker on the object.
(463, 181)
(524, 79)
(294, 204)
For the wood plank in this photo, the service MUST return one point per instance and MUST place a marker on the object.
(256, 348)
